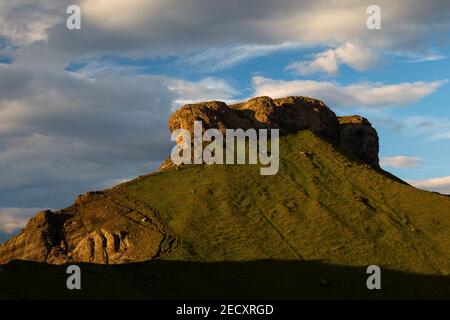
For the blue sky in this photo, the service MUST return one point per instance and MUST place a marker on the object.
(86, 109)
(428, 154)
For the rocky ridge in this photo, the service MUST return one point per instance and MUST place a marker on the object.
(354, 134)
(97, 229)
(108, 227)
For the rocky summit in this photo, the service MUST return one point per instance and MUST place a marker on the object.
(98, 228)
(308, 231)
(354, 134)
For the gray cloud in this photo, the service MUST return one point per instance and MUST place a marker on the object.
(180, 26)
(64, 133)
(61, 134)
(26, 21)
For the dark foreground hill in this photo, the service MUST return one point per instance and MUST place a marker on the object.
(225, 231)
(234, 280)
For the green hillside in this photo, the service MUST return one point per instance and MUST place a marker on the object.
(320, 205)
(307, 232)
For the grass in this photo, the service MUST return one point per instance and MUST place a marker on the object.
(324, 214)
(321, 205)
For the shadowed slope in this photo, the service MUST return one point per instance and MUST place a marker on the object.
(184, 280)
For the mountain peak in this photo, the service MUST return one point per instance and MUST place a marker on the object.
(325, 203)
(354, 134)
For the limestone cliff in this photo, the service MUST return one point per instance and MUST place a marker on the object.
(354, 134)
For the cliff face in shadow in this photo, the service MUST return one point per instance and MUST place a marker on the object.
(262, 279)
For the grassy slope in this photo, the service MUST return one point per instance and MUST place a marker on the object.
(319, 206)
(315, 226)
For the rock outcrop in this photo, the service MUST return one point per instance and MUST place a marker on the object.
(95, 229)
(354, 134)
(111, 227)
(288, 115)
(44, 241)
(358, 137)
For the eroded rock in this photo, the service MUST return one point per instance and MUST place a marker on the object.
(95, 229)
(354, 133)
(359, 138)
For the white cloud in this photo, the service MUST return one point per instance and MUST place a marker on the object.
(355, 56)
(353, 95)
(426, 58)
(206, 89)
(178, 26)
(440, 184)
(218, 58)
(400, 162)
(13, 219)
(323, 62)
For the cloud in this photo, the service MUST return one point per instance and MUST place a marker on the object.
(13, 219)
(354, 95)
(400, 162)
(206, 89)
(433, 129)
(323, 62)
(355, 56)
(219, 58)
(262, 20)
(62, 133)
(426, 58)
(440, 184)
(28, 21)
(178, 26)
